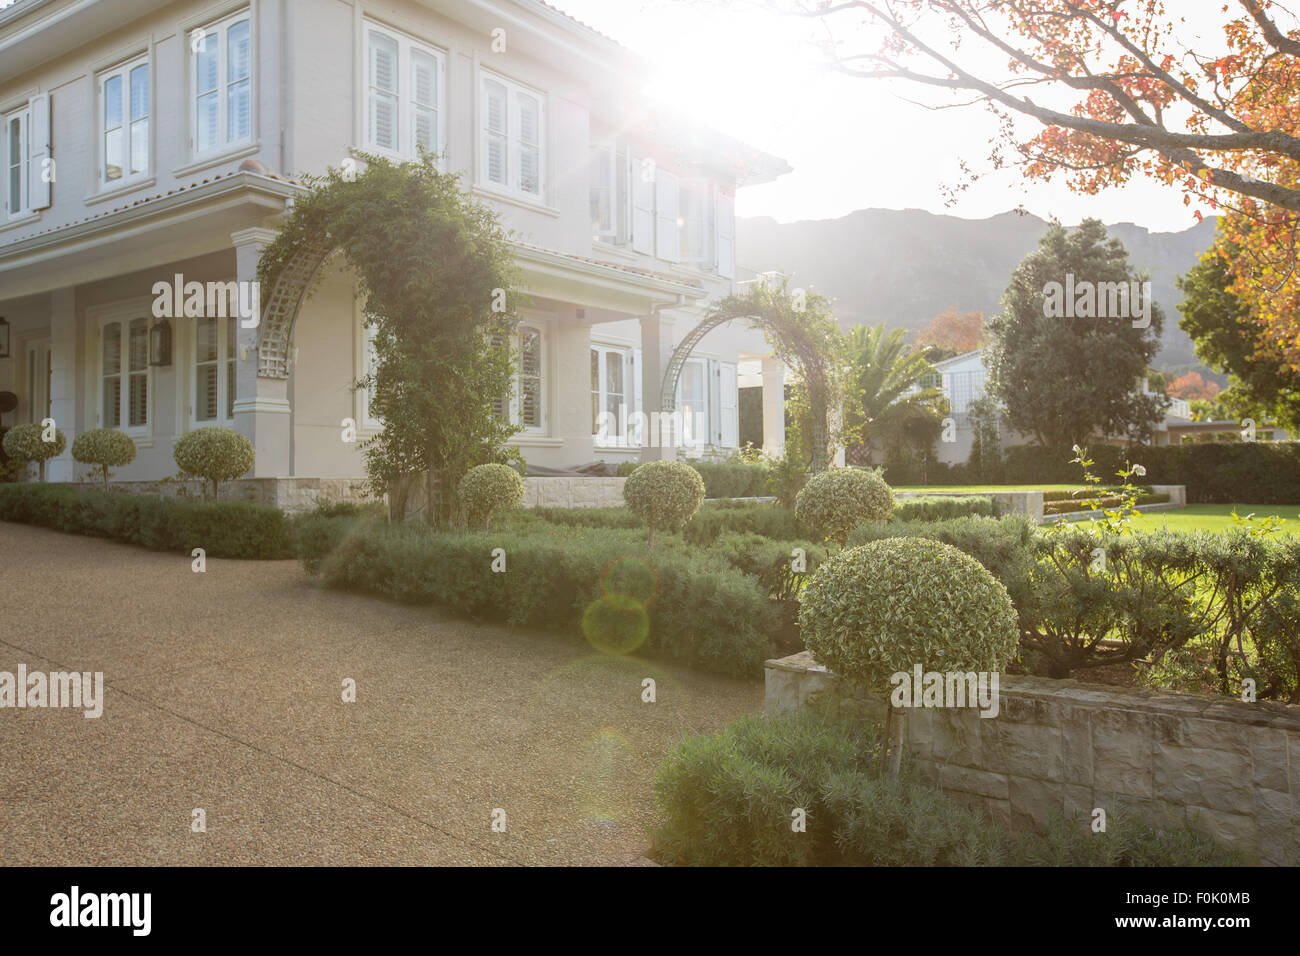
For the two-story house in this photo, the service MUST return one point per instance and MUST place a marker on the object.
(151, 142)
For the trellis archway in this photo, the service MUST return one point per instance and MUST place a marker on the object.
(292, 282)
(802, 332)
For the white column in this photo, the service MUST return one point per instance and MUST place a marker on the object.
(773, 406)
(656, 353)
(570, 416)
(63, 379)
(261, 404)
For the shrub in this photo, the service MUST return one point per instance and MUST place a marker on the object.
(664, 494)
(941, 507)
(104, 448)
(733, 479)
(24, 443)
(214, 454)
(727, 800)
(837, 500)
(693, 609)
(487, 489)
(883, 607)
(227, 529)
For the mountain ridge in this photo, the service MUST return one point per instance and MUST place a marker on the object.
(904, 266)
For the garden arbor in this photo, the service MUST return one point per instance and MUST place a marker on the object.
(437, 275)
(802, 332)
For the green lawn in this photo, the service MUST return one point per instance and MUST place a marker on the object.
(1216, 517)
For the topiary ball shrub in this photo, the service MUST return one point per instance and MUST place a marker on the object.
(883, 608)
(488, 489)
(25, 443)
(664, 494)
(214, 454)
(872, 611)
(836, 501)
(104, 448)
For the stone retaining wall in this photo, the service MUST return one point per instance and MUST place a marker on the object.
(593, 492)
(1215, 764)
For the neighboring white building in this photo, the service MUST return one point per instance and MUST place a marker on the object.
(145, 139)
(963, 379)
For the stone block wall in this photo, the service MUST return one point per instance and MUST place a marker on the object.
(1227, 768)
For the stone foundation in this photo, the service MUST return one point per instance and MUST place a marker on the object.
(1214, 764)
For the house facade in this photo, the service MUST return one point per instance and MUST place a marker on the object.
(151, 145)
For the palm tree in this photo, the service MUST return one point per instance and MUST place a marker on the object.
(891, 391)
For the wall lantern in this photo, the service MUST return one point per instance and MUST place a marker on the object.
(4, 337)
(160, 344)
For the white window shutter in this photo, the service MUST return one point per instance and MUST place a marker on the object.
(643, 206)
(666, 216)
(729, 400)
(725, 226)
(38, 151)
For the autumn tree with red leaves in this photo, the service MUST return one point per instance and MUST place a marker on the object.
(1121, 88)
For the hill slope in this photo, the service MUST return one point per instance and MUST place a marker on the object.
(903, 267)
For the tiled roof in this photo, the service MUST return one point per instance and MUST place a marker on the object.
(140, 201)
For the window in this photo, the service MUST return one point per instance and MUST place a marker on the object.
(695, 224)
(124, 373)
(604, 193)
(611, 398)
(403, 95)
(693, 400)
(526, 403)
(124, 122)
(221, 84)
(214, 369)
(17, 167)
(513, 130)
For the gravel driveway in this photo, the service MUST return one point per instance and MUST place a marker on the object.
(223, 692)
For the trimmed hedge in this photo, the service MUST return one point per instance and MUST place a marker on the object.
(690, 606)
(727, 800)
(733, 479)
(941, 507)
(223, 529)
(1263, 473)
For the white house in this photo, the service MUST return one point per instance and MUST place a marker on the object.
(145, 140)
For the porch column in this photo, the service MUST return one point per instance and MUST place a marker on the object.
(261, 404)
(659, 436)
(63, 379)
(571, 415)
(773, 406)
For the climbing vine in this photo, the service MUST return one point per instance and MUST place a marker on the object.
(437, 279)
(804, 335)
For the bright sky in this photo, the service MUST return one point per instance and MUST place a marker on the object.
(853, 143)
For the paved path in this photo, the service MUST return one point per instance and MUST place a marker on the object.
(223, 692)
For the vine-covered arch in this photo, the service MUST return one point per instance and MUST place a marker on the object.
(802, 332)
